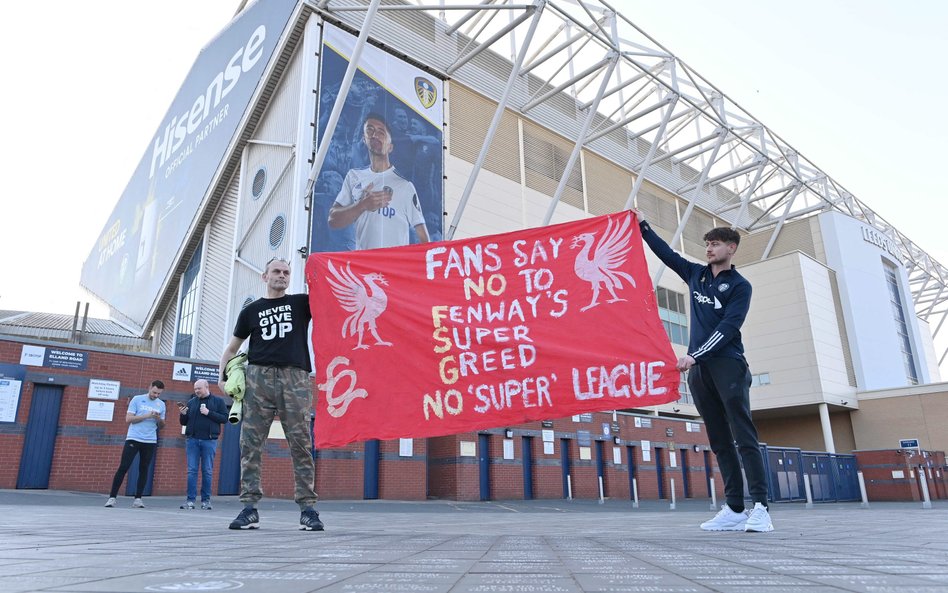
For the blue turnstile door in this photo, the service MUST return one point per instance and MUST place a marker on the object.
(565, 466)
(36, 460)
(483, 459)
(527, 444)
(370, 482)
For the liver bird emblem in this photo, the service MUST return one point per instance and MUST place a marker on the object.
(601, 265)
(366, 301)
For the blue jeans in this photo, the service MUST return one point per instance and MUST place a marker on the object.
(200, 451)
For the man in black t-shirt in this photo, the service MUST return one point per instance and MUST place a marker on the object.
(277, 383)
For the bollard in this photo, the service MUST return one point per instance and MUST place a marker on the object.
(601, 498)
(635, 494)
(569, 487)
(862, 491)
(714, 495)
(926, 499)
(671, 506)
(806, 488)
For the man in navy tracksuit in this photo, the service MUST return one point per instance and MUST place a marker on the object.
(719, 377)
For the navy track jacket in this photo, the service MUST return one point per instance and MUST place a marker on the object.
(718, 304)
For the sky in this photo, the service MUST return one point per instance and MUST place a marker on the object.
(854, 85)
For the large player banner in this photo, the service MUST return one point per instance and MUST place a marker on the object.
(455, 336)
(388, 139)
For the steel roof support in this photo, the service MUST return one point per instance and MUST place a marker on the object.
(783, 219)
(722, 177)
(556, 90)
(621, 86)
(672, 100)
(600, 133)
(750, 189)
(495, 122)
(351, 68)
(721, 133)
(577, 148)
(490, 41)
(474, 12)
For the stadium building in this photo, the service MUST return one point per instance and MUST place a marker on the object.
(504, 117)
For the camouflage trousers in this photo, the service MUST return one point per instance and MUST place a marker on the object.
(286, 392)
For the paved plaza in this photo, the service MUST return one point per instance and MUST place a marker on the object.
(64, 541)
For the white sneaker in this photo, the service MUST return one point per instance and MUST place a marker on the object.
(110, 502)
(138, 504)
(726, 520)
(759, 519)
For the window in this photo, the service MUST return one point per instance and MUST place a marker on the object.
(684, 391)
(671, 310)
(901, 328)
(760, 379)
(187, 306)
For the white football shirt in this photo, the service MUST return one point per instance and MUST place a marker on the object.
(388, 226)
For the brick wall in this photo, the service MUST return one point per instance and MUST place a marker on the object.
(87, 452)
(896, 474)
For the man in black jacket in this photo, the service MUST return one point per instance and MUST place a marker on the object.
(202, 416)
(719, 377)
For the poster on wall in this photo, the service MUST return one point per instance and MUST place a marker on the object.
(100, 411)
(381, 184)
(104, 389)
(9, 399)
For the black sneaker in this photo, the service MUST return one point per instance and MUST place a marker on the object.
(247, 519)
(309, 521)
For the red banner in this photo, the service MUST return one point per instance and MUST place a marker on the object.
(449, 337)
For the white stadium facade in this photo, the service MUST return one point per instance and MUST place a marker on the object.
(541, 112)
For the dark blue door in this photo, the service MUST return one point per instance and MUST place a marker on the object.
(847, 480)
(483, 453)
(685, 483)
(660, 472)
(527, 444)
(707, 471)
(37, 457)
(600, 468)
(630, 452)
(370, 483)
(132, 480)
(565, 466)
(228, 482)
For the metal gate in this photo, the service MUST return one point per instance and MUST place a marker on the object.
(784, 467)
(832, 476)
(36, 460)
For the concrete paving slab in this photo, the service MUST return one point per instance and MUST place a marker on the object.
(68, 542)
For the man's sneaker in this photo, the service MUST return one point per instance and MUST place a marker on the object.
(309, 521)
(138, 504)
(247, 519)
(110, 502)
(188, 506)
(759, 519)
(726, 520)
(206, 505)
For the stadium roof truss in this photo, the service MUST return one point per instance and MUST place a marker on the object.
(621, 81)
